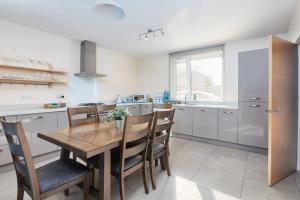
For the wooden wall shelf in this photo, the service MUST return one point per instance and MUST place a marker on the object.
(40, 69)
(30, 82)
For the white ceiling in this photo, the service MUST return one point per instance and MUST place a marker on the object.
(187, 23)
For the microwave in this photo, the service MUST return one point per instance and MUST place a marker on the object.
(139, 98)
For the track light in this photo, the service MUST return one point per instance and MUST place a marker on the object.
(152, 32)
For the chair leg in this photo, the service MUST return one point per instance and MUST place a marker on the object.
(162, 163)
(20, 192)
(152, 174)
(166, 157)
(121, 184)
(87, 187)
(156, 162)
(67, 192)
(145, 179)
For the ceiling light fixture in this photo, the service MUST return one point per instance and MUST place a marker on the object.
(153, 32)
(109, 9)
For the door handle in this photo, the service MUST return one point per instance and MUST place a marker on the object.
(272, 110)
(254, 106)
(227, 112)
(255, 98)
(38, 117)
(204, 110)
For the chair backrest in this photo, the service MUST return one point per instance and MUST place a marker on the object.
(82, 115)
(135, 137)
(104, 109)
(162, 124)
(162, 106)
(21, 155)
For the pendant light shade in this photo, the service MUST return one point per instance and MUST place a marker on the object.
(110, 9)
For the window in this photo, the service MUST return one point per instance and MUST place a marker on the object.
(198, 75)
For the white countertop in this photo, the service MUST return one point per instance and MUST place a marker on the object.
(130, 104)
(220, 106)
(24, 111)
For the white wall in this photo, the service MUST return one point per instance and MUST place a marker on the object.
(26, 42)
(64, 53)
(153, 71)
(294, 26)
(153, 74)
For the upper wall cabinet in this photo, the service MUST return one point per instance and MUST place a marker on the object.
(253, 75)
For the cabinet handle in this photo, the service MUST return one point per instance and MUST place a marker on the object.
(255, 98)
(1, 150)
(180, 109)
(227, 112)
(38, 117)
(254, 106)
(204, 110)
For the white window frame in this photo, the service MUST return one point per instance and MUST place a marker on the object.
(187, 57)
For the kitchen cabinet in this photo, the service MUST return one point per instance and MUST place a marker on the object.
(146, 108)
(183, 120)
(228, 125)
(205, 123)
(62, 120)
(35, 123)
(253, 75)
(253, 125)
(134, 109)
(3, 140)
(5, 155)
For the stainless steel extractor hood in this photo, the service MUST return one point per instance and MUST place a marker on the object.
(88, 61)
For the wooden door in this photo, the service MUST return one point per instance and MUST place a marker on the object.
(283, 109)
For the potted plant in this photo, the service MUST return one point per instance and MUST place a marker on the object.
(117, 114)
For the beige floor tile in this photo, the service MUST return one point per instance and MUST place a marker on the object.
(220, 180)
(285, 190)
(195, 191)
(231, 153)
(226, 164)
(190, 156)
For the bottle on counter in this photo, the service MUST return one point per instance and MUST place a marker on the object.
(119, 99)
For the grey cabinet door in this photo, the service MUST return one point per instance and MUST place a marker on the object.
(5, 155)
(252, 125)
(62, 119)
(228, 125)
(134, 109)
(183, 121)
(205, 123)
(3, 140)
(146, 109)
(35, 123)
(253, 75)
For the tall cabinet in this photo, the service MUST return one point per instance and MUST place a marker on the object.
(253, 98)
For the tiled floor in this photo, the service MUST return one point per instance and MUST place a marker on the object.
(200, 171)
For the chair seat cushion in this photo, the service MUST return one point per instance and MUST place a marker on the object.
(157, 148)
(129, 162)
(58, 173)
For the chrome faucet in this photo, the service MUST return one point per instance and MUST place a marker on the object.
(186, 98)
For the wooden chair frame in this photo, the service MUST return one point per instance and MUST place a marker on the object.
(89, 110)
(24, 165)
(130, 136)
(160, 134)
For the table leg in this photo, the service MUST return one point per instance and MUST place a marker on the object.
(64, 154)
(104, 175)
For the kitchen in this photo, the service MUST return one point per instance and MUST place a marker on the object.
(205, 133)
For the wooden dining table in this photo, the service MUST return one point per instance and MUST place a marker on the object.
(89, 140)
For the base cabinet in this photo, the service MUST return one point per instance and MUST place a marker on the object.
(36, 123)
(253, 124)
(228, 125)
(62, 120)
(183, 121)
(146, 109)
(205, 123)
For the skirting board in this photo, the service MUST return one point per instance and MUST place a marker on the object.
(221, 143)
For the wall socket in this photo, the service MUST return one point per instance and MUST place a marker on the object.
(25, 97)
